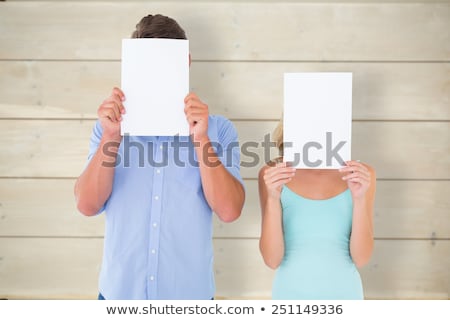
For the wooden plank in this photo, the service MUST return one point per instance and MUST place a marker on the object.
(68, 268)
(33, 89)
(44, 148)
(46, 208)
(404, 150)
(233, 31)
(403, 209)
(399, 270)
(381, 91)
(398, 150)
(237, 90)
(49, 268)
(404, 206)
(408, 270)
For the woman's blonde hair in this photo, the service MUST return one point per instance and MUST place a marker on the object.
(278, 136)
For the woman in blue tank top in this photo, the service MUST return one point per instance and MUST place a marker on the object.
(317, 228)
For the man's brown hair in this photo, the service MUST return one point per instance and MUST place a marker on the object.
(158, 26)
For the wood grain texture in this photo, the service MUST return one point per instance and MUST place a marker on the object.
(233, 31)
(59, 60)
(398, 150)
(39, 148)
(403, 210)
(68, 268)
(46, 208)
(49, 268)
(237, 90)
(398, 269)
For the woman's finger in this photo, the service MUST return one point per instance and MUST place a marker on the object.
(279, 171)
(356, 175)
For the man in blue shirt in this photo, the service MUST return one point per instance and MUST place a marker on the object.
(159, 194)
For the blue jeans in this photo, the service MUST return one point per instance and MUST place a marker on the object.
(101, 297)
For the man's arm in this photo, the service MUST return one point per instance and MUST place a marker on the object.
(94, 186)
(224, 193)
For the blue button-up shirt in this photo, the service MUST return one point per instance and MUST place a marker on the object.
(158, 232)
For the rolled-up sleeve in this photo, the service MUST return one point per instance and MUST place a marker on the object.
(231, 154)
(94, 142)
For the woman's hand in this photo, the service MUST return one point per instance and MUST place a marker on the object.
(358, 178)
(275, 177)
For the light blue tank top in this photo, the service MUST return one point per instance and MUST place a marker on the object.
(317, 262)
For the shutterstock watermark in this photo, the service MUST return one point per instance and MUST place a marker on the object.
(182, 153)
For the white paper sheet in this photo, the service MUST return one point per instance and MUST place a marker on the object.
(155, 81)
(317, 119)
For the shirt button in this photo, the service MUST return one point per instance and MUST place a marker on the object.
(158, 171)
(161, 147)
(156, 197)
(154, 225)
(152, 278)
(153, 251)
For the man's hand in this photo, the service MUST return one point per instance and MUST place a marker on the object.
(110, 114)
(197, 116)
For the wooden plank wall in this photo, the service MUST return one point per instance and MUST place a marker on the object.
(59, 60)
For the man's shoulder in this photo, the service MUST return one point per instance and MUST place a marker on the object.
(218, 119)
(221, 123)
(222, 126)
